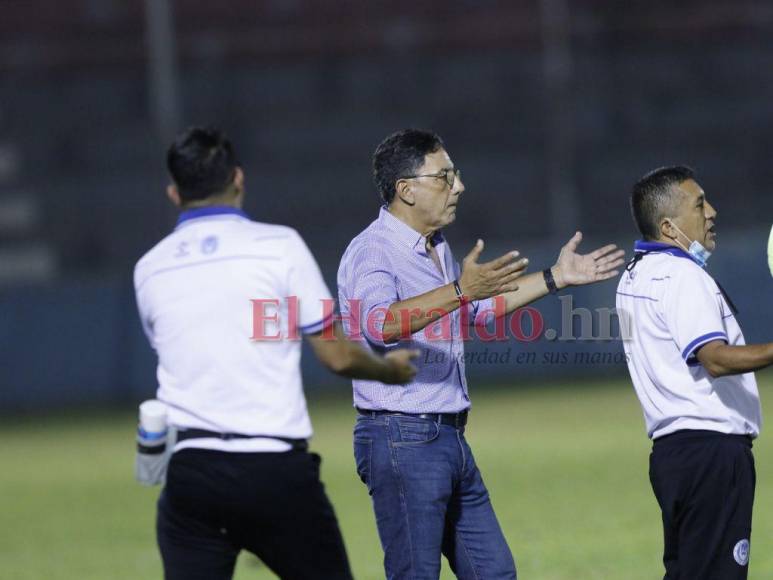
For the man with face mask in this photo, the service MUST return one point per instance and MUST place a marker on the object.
(692, 372)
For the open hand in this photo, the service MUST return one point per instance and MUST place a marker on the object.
(479, 281)
(573, 269)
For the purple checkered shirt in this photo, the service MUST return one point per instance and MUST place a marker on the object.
(386, 263)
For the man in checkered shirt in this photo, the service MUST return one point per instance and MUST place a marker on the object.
(397, 277)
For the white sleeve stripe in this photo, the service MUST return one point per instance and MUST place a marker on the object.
(700, 341)
(318, 326)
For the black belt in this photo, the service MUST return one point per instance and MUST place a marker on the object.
(699, 434)
(182, 435)
(454, 419)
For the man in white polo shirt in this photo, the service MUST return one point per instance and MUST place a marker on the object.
(213, 299)
(693, 374)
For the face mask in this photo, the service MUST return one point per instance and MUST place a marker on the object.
(699, 253)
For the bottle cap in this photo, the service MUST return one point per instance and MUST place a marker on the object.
(153, 416)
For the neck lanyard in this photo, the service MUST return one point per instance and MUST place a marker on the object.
(639, 255)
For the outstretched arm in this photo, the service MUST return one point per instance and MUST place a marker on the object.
(571, 269)
(478, 281)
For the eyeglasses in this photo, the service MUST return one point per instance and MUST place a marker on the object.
(449, 175)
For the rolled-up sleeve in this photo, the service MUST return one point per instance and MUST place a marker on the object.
(372, 288)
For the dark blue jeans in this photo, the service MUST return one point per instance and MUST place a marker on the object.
(429, 498)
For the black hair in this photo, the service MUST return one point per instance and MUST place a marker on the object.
(202, 163)
(401, 155)
(653, 197)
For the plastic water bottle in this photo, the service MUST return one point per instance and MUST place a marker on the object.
(152, 457)
(152, 431)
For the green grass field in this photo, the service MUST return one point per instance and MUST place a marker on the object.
(566, 466)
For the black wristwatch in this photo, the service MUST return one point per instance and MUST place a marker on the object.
(547, 274)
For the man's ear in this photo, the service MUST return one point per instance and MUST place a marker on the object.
(173, 195)
(239, 179)
(667, 229)
(404, 191)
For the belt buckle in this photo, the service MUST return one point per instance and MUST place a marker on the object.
(436, 418)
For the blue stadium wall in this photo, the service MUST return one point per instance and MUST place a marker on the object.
(80, 344)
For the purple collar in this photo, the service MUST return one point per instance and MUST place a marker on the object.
(644, 246)
(406, 233)
(208, 211)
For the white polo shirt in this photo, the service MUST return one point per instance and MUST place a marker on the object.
(669, 307)
(195, 291)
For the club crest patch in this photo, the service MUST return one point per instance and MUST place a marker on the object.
(741, 552)
(209, 245)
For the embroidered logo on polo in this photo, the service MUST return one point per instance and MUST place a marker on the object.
(209, 245)
(182, 250)
(741, 552)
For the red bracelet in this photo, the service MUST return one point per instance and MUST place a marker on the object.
(460, 295)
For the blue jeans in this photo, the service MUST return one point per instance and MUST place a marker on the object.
(429, 498)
